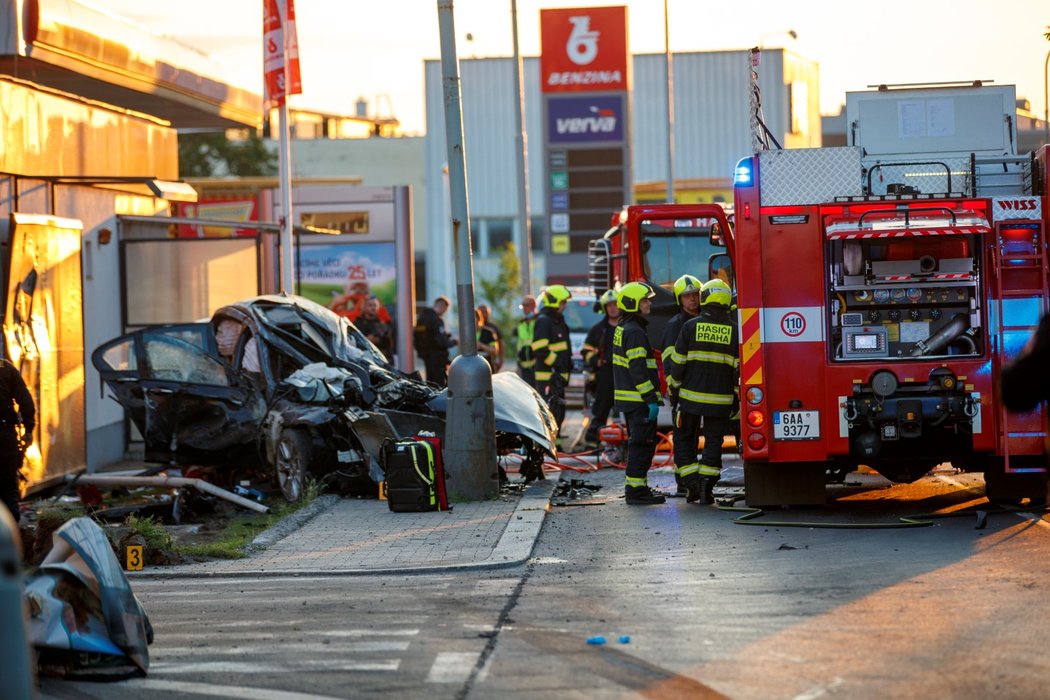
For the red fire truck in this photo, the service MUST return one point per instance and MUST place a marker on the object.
(881, 288)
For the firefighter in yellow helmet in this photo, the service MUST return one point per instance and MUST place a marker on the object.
(687, 296)
(597, 354)
(704, 369)
(550, 348)
(636, 381)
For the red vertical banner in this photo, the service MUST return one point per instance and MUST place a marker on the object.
(295, 81)
(273, 55)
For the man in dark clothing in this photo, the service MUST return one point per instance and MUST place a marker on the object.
(635, 378)
(433, 342)
(597, 352)
(550, 347)
(495, 337)
(525, 330)
(374, 329)
(687, 296)
(704, 369)
(1026, 380)
(17, 421)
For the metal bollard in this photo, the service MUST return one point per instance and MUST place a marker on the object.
(14, 645)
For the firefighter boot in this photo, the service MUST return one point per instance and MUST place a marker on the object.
(642, 496)
(706, 491)
(693, 485)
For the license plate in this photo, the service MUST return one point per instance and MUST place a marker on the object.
(796, 425)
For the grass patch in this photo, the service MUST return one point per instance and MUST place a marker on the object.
(232, 541)
(154, 533)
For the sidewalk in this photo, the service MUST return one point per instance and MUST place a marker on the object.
(347, 537)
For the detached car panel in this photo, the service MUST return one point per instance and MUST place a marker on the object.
(284, 384)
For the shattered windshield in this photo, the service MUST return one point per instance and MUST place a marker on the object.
(319, 329)
(171, 359)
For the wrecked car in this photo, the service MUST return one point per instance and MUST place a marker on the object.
(283, 384)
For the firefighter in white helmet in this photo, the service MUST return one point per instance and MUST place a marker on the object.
(705, 366)
(687, 296)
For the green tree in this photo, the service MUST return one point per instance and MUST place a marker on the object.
(502, 292)
(212, 154)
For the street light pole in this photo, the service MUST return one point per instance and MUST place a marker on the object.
(1046, 101)
(670, 108)
(470, 423)
(521, 151)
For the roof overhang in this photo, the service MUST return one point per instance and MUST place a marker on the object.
(83, 50)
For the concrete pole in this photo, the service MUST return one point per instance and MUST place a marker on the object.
(521, 154)
(470, 428)
(284, 160)
(670, 109)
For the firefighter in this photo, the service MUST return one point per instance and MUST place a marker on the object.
(704, 369)
(597, 352)
(687, 296)
(550, 347)
(635, 378)
(17, 421)
(524, 330)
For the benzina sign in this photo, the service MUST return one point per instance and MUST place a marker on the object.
(583, 49)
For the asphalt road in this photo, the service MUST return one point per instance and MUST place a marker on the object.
(711, 609)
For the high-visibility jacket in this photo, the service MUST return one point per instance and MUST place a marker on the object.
(550, 347)
(525, 331)
(705, 364)
(667, 342)
(635, 376)
(597, 349)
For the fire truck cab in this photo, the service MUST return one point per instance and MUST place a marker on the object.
(657, 244)
(882, 286)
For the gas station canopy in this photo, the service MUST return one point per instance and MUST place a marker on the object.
(85, 51)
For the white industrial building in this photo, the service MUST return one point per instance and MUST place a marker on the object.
(712, 132)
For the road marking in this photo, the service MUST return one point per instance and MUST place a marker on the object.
(453, 667)
(246, 636)
(220, 691)
(264, 668)
(304, 647)
(547, 560)
(820, 690)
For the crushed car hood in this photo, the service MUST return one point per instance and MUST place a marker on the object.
(518, 408)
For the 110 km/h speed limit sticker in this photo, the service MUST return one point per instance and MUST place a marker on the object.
(787, 324)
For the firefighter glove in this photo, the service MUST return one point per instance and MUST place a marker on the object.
(654, 411)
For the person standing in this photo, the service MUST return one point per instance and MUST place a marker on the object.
(524, 332)
(492, 331)
(597, 352)
(635, 380)
(550, 346)
(705, 367)
(687, 296)
(487, 343)
(375, 329)
(17, 422)
(433, 342)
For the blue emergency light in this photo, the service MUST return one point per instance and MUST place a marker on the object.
(744, 176)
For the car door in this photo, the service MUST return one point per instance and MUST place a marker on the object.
(189, 405)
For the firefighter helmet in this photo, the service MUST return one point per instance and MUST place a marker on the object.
(686, 284)
(555, 294)
(716, 291)
(630, 296)
(609, 297)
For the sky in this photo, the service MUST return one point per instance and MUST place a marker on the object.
(375, 48)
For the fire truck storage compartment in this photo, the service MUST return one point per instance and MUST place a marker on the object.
(905, 298)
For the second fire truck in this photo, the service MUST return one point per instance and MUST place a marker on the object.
(881, 288)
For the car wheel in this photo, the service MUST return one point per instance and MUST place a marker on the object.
(291, 464)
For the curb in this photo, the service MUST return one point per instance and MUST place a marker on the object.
(289, 524)
(514, 547)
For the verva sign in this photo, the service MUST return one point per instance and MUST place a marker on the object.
(583, 49)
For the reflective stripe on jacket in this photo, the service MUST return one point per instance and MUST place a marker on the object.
(705, 364)
(550, 347)
(635, 377)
